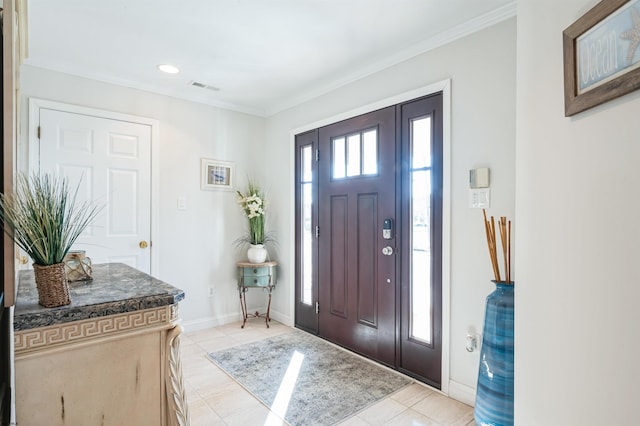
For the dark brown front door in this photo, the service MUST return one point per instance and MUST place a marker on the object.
(357, 281)
(379, 295)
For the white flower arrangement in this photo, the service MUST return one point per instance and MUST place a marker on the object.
(253, 207)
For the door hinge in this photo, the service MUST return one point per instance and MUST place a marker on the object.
(317, 231)
(38, 132)
(317, 155)
(317, 308)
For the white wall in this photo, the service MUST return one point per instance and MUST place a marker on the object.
(196, 247)
(482, 72)
(578, 245)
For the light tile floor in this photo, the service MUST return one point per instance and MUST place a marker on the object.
(216, 399)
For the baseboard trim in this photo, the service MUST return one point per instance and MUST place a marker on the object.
(283, 319)
(462, 393)
(203, 323)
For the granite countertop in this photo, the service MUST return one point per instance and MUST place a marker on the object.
(116, 288)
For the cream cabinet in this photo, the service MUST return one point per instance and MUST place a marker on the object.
(110, 358)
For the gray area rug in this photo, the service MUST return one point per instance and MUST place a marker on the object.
(306, 380)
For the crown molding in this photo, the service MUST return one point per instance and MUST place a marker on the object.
(474, 25)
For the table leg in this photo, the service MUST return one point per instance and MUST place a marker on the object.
(243, 306)
(267, 317)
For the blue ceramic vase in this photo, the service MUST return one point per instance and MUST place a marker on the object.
(494, 394)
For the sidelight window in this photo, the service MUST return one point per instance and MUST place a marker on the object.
(420, 170)
(306, 193)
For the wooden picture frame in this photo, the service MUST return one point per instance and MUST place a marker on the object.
(601, 55)
(216, 174)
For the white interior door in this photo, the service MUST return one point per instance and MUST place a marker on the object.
(112, 161)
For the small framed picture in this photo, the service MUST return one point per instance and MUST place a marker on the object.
(216, 174)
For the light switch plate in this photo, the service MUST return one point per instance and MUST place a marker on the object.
(480, 198)
(182, 203)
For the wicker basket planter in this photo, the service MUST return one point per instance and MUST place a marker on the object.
(52, 285)
(43, 219)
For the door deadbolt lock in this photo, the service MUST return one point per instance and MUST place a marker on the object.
(387, 229)
(387, 251)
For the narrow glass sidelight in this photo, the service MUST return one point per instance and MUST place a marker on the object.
(306, 232)
(421, 232)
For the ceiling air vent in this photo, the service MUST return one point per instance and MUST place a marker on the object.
(204, 86)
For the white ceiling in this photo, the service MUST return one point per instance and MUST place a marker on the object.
(263, 55)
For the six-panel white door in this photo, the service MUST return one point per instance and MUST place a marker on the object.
(112, 161)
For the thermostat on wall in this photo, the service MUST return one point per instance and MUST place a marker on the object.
(479, 178)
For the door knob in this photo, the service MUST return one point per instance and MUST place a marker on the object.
(387, 251)
(143, 244)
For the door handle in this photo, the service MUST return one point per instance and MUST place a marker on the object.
(387, 251)
(143, 244)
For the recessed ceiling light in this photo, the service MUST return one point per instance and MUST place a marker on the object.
(170, 69)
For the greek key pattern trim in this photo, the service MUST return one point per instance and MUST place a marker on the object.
(36, 338)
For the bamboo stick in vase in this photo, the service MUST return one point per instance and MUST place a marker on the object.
(491, 243)
(505, 248)
(509, 253)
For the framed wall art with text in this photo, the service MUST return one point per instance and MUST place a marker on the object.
(601, 55)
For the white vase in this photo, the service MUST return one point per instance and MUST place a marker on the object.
(257, 253)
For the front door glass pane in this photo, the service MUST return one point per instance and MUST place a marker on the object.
(370, 152)
(306, 164)
(307, 241)
(339, 160)
(421, 131)
(420, 304)
(353, 155)
(306, 233)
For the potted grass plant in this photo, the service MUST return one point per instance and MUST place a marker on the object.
(44, 219)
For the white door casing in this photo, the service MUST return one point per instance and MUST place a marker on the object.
(111, 155)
